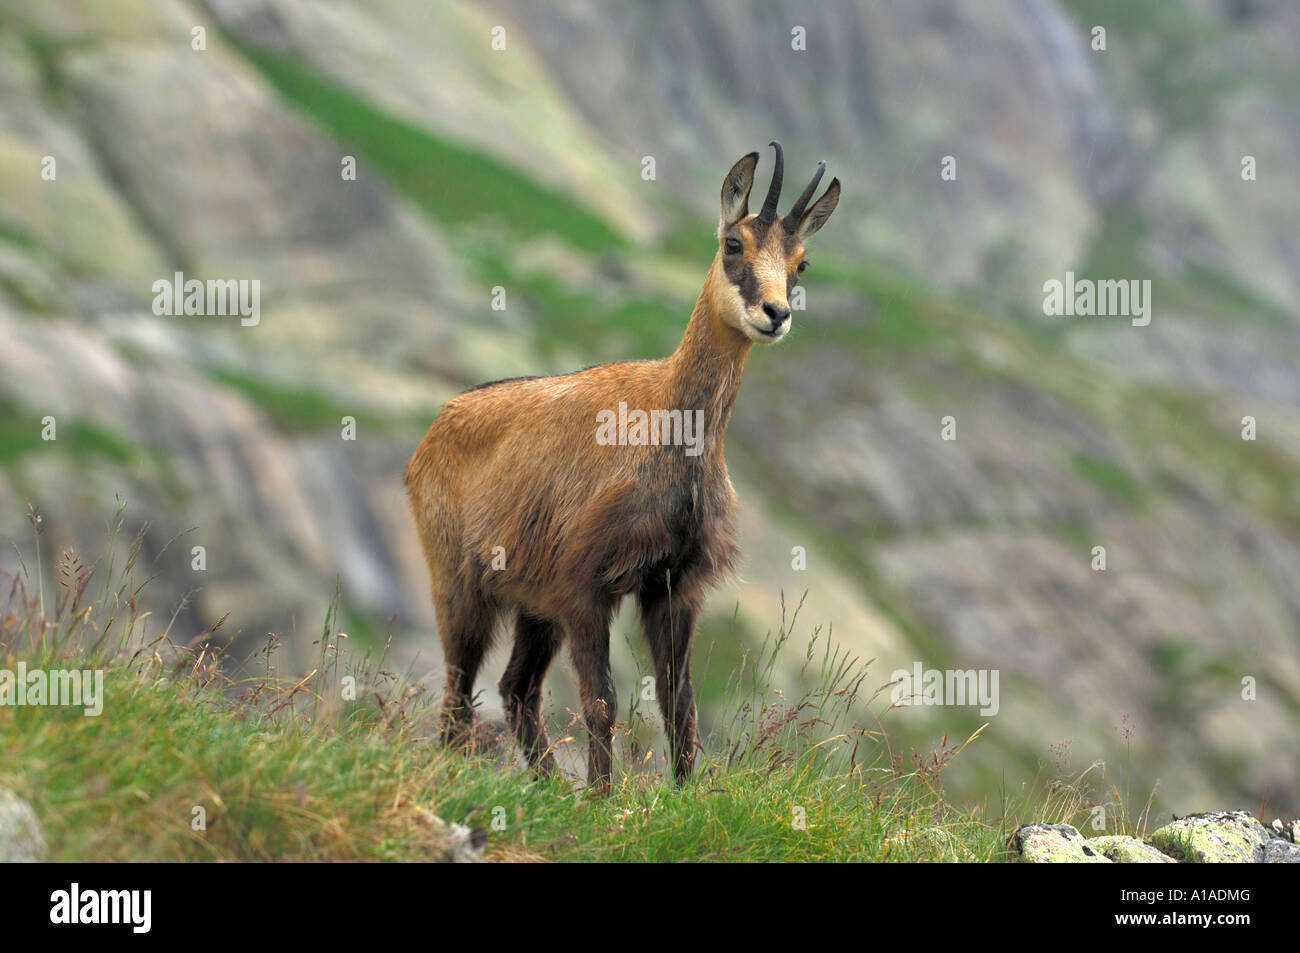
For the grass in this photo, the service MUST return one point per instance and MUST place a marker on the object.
(1110, 476)
(20, 238)
(1255, 475)
(1116, 252)
(565, 318)
(302, 408)
(20, 435)
(195, 758)
(453, 183)
(905, 318)
(292, 408)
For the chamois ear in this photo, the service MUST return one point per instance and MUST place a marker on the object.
(735, 190)
(816, 217)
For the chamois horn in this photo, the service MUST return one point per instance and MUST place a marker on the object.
(796, 211)
(768, 215)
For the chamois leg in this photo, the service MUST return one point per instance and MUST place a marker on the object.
(589, 647)
(536, 641)
(669, 622)
(465, 624)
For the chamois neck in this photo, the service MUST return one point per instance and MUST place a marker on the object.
(705, 370)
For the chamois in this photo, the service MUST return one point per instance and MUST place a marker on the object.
(522, 509)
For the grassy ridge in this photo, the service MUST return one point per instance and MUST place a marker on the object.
(290, 768)
(125, 786)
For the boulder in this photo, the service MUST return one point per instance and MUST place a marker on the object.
(1281, 852)
(21, 838)
(1218, 837)
(1122, 849)
(932, 844)
(1054, 844)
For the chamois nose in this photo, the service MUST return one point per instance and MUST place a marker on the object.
(778, 314)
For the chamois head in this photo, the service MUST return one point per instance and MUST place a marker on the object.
(762, 256)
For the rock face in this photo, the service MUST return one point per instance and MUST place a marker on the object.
(1221, 837)
(21, 838)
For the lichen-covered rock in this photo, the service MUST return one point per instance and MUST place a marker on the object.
(1218, 837)
(932, 844)
(1281, 852)
(21, 838)
(1120, 849)
(1054, 844)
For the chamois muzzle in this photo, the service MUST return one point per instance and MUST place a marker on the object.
(778, 314)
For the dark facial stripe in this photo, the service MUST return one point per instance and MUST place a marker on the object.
(741, 274)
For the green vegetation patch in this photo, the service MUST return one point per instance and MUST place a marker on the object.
(1108, 475)
(293, 409)
(452, 182)
(20, 434)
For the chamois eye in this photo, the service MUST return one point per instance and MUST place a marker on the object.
(802, 266)
(733, 246)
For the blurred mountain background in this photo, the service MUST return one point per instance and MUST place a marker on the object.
(522, 168)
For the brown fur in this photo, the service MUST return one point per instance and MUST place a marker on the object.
(516, 465)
